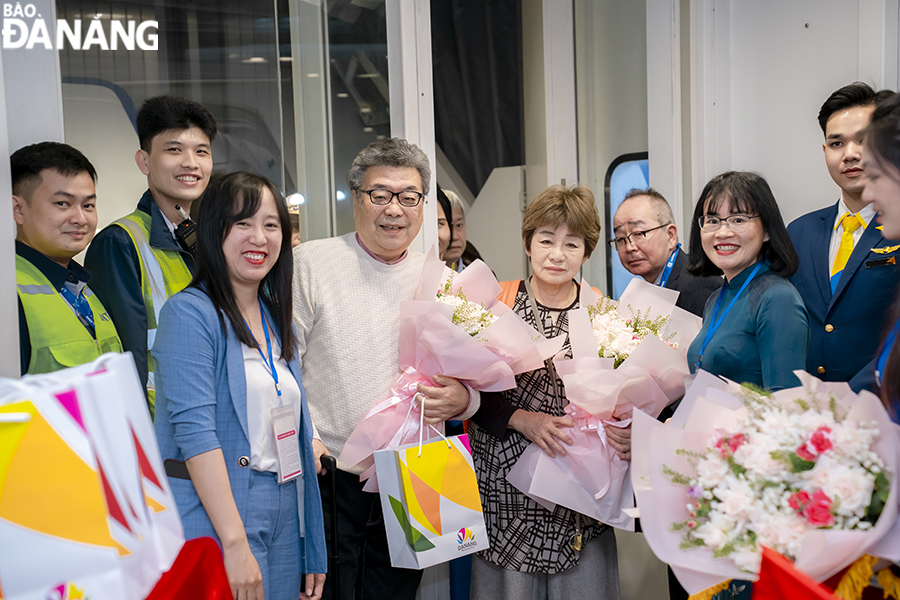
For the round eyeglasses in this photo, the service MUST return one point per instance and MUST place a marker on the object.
(407, 199)
(736, 223)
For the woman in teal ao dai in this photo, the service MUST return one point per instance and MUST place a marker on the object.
(756, 329)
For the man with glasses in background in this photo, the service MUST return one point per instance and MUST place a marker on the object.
(646, 239)
(848, 273)
(347, 295)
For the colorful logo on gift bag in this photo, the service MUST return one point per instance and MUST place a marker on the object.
(65, 591)
(464, 535)
(466, 539)
(441, 472)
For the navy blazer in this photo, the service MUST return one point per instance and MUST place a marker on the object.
(693, 291)
(845, 327)
(201, 405)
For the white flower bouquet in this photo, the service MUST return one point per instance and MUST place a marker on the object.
(471, 317)
(617, 336)
(808, 472)
(626, 355)
(455, 327)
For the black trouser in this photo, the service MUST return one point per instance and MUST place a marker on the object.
(364, 559)
(676, 592)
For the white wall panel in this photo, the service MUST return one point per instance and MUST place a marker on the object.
(611, 100)
(494, 225)
(32, 85)
(761, 70)
(412, 93)
(664, 99)
(9, 314)
(786, 58)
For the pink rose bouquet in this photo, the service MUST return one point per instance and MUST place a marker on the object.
(808, 472)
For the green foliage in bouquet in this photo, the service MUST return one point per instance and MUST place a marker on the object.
(470, 316)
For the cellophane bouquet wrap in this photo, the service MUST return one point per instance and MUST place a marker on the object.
(647, 336)
(809, 472)
(454, 327)
(85, 505)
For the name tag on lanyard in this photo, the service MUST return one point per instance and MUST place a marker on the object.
(287, 445)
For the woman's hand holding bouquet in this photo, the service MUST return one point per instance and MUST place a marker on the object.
(626, 355)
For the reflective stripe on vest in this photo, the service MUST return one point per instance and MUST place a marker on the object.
(58, 338)
(163, 274)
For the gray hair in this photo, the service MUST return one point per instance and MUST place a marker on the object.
(661, 209)
(389, 152)
(456, 202)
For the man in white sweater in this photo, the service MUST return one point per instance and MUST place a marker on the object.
(347, 294)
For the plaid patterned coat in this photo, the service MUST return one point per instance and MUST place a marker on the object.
(524, 536)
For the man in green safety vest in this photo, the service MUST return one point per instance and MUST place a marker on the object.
(61, 322)
(138, 261)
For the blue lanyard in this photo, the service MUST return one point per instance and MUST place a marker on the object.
(79, 303)
(271, 362)
(885, 352)
(664, 278)
(714, 323)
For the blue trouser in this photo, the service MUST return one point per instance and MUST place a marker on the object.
(272, 524)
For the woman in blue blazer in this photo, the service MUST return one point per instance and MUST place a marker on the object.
(230, 403)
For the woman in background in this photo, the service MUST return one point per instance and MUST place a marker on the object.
(445, 220)
(228, 384)
(536, 553)
(756, 329)
(881, 163)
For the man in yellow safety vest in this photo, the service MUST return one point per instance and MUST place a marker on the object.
(139, 261)
(61, 322)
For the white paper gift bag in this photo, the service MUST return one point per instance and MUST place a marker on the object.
(431, 503)
(85, 507)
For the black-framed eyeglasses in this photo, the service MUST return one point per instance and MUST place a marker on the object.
(407, 199)
(633, 237)
(736, 223)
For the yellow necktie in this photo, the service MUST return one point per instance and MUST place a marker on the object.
(849, 223)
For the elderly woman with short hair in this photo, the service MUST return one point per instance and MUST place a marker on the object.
(532, 554)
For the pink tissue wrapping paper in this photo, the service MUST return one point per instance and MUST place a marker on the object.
(430, 344)
(708, 405)
(591, 479)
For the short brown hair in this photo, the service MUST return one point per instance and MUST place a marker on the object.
(557, 205)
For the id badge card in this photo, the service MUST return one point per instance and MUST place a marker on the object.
(287, 446)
